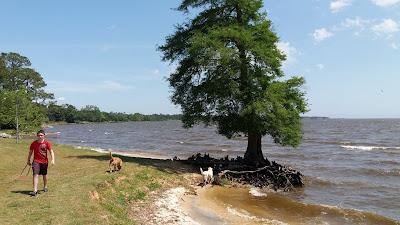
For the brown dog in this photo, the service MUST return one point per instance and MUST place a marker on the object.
(115, 163)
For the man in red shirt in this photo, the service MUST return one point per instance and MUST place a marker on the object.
(39, 148)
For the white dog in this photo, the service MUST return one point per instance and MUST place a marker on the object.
(208, 175)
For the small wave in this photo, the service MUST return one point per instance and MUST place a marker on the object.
(100, 150)
(381, 172)
(107, 133)
(257, 192)
(368, 148)
(328, 141)
(318, 181)
(318, 141)
(388, 162)
(247, 216)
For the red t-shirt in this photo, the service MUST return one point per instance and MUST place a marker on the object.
(40, 151)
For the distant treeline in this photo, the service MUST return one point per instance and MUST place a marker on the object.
(90, 113)
(25, 105)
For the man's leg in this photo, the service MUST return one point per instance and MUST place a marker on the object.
(35, 178)
(35, 182)
(44, 182)
(43, 170)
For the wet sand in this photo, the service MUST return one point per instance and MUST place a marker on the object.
(222, 205)
(205, 208)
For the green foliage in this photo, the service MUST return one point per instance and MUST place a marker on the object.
(229, 72)
(30, 114)
(22, 93)
(7, 109)
(90, 113)
(17, 76)
(65, 112)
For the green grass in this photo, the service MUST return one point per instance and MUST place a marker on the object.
(81, 191)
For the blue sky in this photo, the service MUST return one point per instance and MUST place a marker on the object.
(104, 52)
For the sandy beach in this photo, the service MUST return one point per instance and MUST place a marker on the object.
(241, 205)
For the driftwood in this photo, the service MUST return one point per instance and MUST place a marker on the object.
(274, 175)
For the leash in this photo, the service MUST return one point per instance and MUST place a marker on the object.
(24, 170)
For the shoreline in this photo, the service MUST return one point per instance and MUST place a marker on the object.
(162, 182)
(203, 209)
(123, 152)
(238, 205)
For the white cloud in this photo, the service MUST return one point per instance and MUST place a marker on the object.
(321, 66)
(61, 99)
(385, 3)
(155, 72)
(321, 34)
(387, 27)
(111, 27)
(395, 46)
(112, 86)
(290, 52)
(107, 47)
(338, 5)
(355, 23)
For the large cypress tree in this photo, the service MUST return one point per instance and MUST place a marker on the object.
(229, 74)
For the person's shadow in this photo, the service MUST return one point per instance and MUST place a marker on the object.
(21, 192)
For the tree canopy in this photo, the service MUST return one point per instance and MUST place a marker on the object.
(22, 93)
(229, 74)
(17, 75)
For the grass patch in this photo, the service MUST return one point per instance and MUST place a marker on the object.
(81, 191)
(154, 186)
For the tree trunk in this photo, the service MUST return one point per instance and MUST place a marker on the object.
(254, 155)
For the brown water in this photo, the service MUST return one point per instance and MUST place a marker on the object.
(238, 206)
(348, 164)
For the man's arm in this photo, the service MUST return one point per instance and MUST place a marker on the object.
(52, 157)
(29, 157)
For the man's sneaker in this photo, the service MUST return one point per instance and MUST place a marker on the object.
(33, 193)
(45, 189)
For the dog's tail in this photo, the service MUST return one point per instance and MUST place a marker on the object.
(201, 170)
(110, 155)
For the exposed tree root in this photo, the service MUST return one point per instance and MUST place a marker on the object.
(274, 175)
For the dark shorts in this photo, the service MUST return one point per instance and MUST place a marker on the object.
(39, 168)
